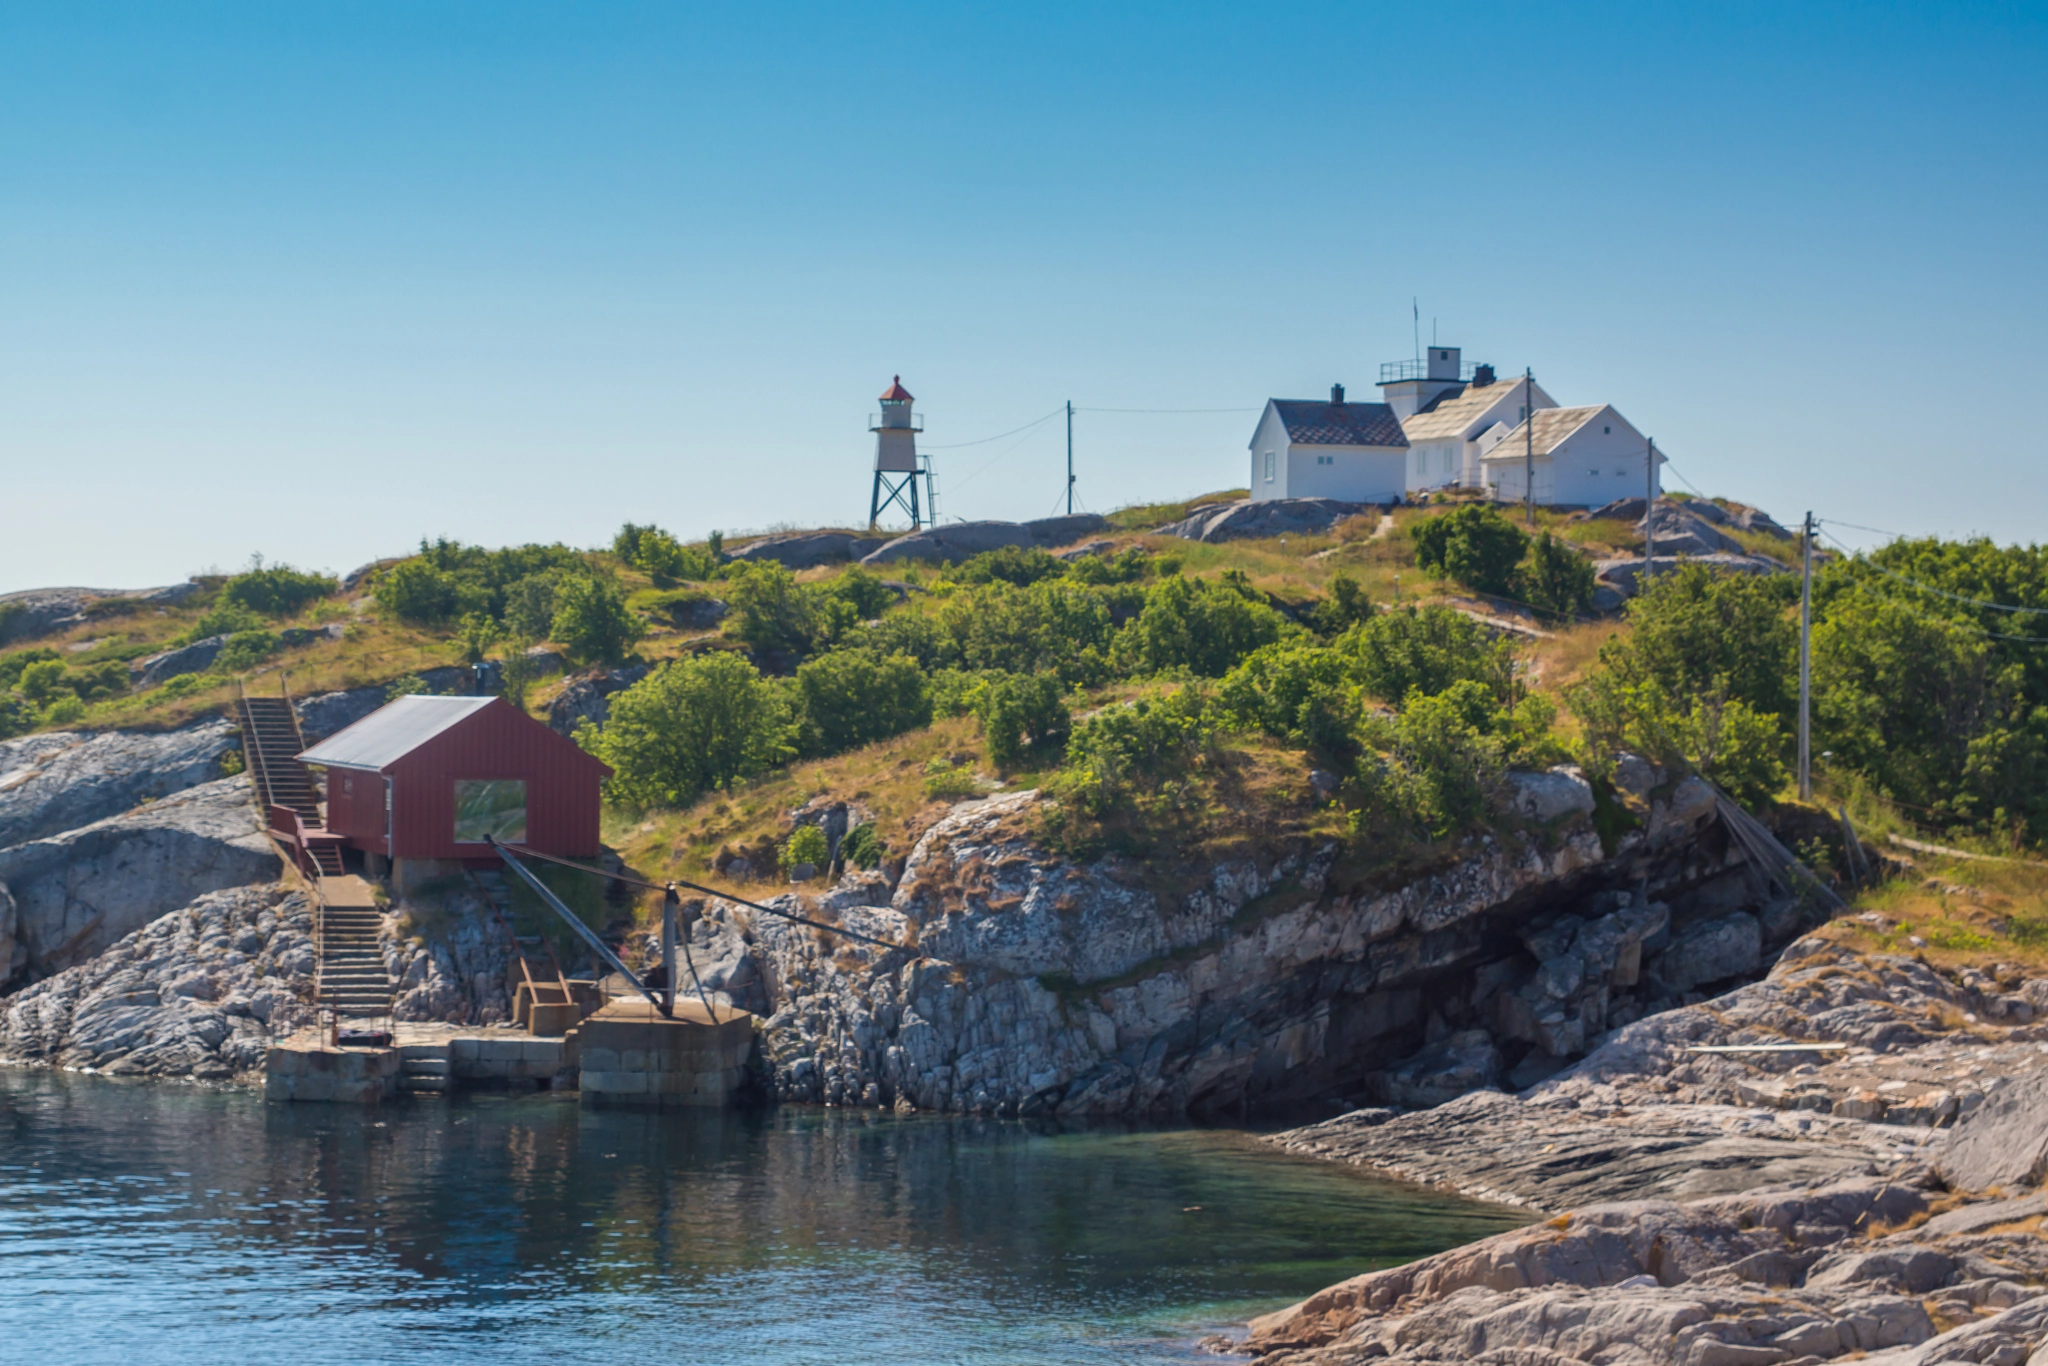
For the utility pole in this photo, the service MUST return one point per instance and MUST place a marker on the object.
(1529, 445)
(1806, 662)
(1650, 506)
(1070, 457)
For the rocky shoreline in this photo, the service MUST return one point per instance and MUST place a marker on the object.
(1729, 1207)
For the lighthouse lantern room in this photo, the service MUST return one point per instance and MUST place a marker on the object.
(898, 466)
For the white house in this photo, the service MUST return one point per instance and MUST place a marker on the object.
(1444, 432)
(1581, 457)
(1303, 448)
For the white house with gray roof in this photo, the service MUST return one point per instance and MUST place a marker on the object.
(1444, 432)
(1305, 448)
(1583, 457)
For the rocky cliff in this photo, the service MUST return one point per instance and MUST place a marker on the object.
(1033, 984)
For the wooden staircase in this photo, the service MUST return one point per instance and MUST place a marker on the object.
(351, 977)
(271, 745)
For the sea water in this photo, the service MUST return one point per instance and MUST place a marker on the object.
(168, 1223)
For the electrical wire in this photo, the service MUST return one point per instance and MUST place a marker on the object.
(1878, 530)
(963, 445)
(1168, 410)
(1952, 597)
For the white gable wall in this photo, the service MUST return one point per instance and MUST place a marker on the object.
(1600, 462)
(1269, 456)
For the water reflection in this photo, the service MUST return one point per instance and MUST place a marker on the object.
(166, 1223)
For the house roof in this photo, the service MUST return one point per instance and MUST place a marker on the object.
(1553, 427)
(1452, 413)
(896, 393)
(1315, 422)
(393, 731)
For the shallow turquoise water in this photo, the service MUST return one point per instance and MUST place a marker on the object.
(165, 1223)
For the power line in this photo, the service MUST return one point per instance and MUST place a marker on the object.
(962, 445)
(1940, 593)
(1878, 530)
(1170, 410)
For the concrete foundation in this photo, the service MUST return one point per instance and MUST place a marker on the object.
(628, 1054)
(311, 1071)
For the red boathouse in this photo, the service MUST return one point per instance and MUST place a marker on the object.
(422, 781)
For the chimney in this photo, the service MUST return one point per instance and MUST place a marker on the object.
(1337, 395)
(1482, 375)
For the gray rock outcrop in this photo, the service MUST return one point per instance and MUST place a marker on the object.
(75, 893)
(196, 992)
(1623, 576)
(802, 550)
(38, 612)
(590, 698)
(166, 665)
(1266, 517)
(60, 780)
(957, 541)
(1764, 1277)
(2003, 1143)
(330, 713)
(1038, 985)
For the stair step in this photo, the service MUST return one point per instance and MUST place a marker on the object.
(426, 1067)
(425, 1086)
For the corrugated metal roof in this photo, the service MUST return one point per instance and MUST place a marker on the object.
(1553, 425)
(1456, 410)
(1313, 422)
(393, 731)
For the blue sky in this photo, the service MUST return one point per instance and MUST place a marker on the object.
(315, 280)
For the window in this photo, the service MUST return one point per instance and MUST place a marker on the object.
(1326, 460)
(494, 807)
(1269, 467)
(1607, 431)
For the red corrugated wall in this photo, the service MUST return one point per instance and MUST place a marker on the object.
(355, 807)
(498, 742)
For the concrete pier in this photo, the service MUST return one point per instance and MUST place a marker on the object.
(629, 1054)
(625, 1054)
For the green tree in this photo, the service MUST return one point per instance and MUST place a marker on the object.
(847, 698)
(1425, 650)
(665, 559)
(772, 611)
(1298, 692)
(476, 635)
(1696, 633)
(275, 590)
(1556, 580)
(1022, 717)
(530, 606)
(417, 592)
(806, 844)
(245, 650)
(1473, 545)
(1135, 750)
(592, 622)
(1343, 608)
(1205, 628)
(42, 680)
(690, 727)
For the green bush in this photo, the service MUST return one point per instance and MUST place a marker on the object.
(1557, 580)
(477, 634)
(848, 698)
(415, 591)
(12, 665)
(806, 844)
(1424, 650)
(530, 606)
(223, 619)
(16, 715)
(1449, 759)
(1023, 717)
(1126, 566)
(665, 559)
(1345, 607)
(275, 590)
(946, 781)
(1011, 564)
(1298, 692)
(406, 685)
(772, 611)
(64, 710)
(866, 594)
(184, 685)
(1205, 628)
(95, 682)
(1053, 626)
(1473, 545)
(863, 847)
(1138, 747)
(245, 650)
(592, 623)
(690, 727)
(43, 680)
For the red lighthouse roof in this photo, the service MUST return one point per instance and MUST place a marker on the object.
(896, 393)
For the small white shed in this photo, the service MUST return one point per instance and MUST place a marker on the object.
(1444, 434)
(1583, 457)
(1304, 448)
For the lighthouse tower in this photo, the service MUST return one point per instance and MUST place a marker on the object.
(897, 464)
